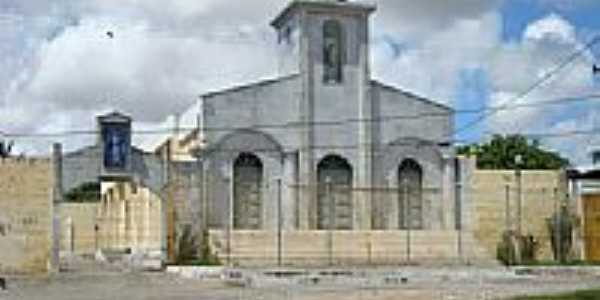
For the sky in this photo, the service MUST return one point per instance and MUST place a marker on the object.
(58, 68)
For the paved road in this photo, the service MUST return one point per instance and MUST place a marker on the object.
(98, 283)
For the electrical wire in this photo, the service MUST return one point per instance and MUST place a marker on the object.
(296, 125)
(535, 85)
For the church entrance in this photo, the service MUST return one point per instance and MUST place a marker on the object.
(410, 199)
(247, 190)
(334, 208)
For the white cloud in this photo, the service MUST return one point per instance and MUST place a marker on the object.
(432, 66)
(551, 27)
(516, 67)
(64, 69)
(577, 146)
(149, 69)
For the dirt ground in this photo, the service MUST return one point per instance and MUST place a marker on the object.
(446, 284)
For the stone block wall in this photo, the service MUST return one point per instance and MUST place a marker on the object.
(129, 217)
(77, 231)
(26, 209)
(319, 248)
(495, 205)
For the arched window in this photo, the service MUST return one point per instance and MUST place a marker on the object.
(410, 200)
(334, 208)
(333, 52)
(247, 192)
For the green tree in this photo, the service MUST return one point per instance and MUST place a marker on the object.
(500, 153)
(84, 193)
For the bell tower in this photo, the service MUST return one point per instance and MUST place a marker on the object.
(326, 42)
(323, 36)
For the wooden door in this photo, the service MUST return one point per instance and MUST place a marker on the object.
(592, 227)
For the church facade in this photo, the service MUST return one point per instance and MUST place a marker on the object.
(285, 149)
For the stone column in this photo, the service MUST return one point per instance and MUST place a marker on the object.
(448, 205)
(108, 222)
(289, 191)
(306, 166)
(365, 168)
(134, 213)
(467, 166)
(147, 233)
(122, 223)
(69, 238)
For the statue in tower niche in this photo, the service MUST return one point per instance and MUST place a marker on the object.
(332, 52)
(116, 147)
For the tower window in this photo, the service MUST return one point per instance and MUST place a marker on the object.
(332, 52)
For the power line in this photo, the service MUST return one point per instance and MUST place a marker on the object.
(565, 134)
(535, 86)
(296, 125)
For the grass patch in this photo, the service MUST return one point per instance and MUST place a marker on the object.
(579, 295)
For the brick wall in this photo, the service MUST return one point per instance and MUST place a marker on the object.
(26, 196)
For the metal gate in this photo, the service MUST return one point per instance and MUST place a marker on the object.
(592, 227)
(334, 209)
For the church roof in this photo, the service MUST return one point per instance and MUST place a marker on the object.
(412, 95)
(323, 4)
(189, 118)
(115, 116)
(263, 82)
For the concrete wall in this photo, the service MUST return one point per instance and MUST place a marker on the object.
(83, 166)
(492, 214)
(319, 248)
(26, 207)
(266, 103)
(77, 231)
(130, 217)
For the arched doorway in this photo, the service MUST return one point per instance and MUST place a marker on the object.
(247, 192)
(334, 207)
(410, 200)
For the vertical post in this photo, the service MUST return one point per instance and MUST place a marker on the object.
(54, 233)
(230, 216)
(331, 207)
(170, 205)
(279, 224)
(458, 205)
(70, 239)
(407, 217)
(507, 207)
(520, 200)
(204, 235)
(96, 230)
(558, 227)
